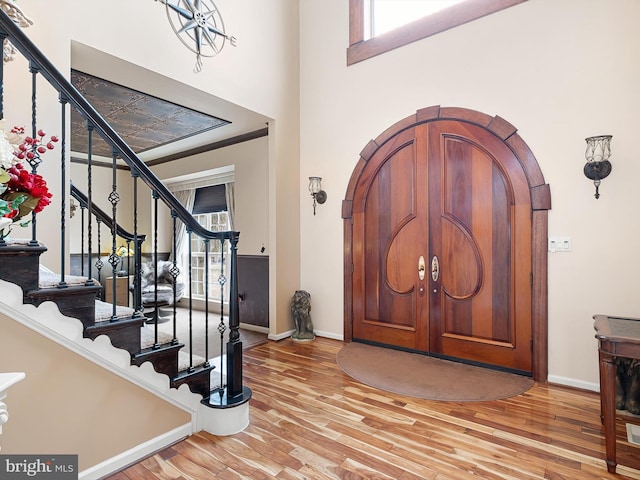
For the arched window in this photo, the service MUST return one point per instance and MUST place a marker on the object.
(365, 43)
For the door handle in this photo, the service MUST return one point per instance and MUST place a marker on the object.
(435, 268)
(421, 267)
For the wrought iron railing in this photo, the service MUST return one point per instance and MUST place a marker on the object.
(231, 392)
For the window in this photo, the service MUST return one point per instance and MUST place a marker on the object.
(363, 45)
(216, 222)
(205, 194)
(389, 14)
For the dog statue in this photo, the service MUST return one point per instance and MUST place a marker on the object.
(300, 311)
(628, 385)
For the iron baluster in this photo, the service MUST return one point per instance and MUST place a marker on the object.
(190, 303)
(63, 192)
(114, 260)
(90, 206)
(155, 268)
(36, 160)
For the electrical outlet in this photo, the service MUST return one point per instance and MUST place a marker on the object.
(559, 244)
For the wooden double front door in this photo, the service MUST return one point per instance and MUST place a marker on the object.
(440, 245)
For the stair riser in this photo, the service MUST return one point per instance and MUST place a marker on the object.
(127, 338)
(21, 265)
(76, 302)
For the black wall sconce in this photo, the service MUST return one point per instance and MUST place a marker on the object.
(597, 155)
(319, 195)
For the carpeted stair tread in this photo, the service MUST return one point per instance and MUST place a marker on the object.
(50, 280)
(147, 336)
(104, 311)
(147, 339)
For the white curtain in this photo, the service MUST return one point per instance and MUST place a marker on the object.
(186, 197)
(229, 192)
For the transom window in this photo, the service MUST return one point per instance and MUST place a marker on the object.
(372, 33)
(389, 14)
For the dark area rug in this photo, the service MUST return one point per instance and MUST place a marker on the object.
(426, 377)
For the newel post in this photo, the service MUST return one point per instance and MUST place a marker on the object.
(234, 346)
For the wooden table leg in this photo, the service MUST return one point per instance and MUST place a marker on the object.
(608, 407)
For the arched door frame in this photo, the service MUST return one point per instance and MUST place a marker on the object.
(540, 204)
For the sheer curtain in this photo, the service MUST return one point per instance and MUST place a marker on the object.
(186, 197)
(229, 192)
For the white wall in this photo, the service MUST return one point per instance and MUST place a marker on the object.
(559, 71)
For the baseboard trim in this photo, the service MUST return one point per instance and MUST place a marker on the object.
(333, 336)
(280, 336)
(254, 328)
(134, 455)
(571, 382)
(288, 333)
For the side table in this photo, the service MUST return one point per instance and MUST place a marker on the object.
(617, 337)
(122, 290)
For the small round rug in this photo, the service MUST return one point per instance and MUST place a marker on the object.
(430, 378)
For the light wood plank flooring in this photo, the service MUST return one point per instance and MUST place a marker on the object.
(310, 420)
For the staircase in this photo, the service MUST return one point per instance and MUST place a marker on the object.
(82, 297)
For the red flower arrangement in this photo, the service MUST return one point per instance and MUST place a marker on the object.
(21, 191)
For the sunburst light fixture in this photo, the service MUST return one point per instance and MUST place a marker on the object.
(199, 26)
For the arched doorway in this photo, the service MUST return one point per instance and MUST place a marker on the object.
(445, 235)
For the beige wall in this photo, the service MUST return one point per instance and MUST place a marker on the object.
(261, 74)
(250, 162)
(63, 394)
(101, 188)
(559, 71)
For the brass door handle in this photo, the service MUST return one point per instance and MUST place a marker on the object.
(421, 267)
(435, 268)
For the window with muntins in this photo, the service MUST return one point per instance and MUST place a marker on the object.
(218, 263)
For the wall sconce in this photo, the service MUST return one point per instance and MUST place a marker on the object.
(319, 195)
(597, 155)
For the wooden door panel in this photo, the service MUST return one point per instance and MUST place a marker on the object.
(391, 236)
(478, 227)
(469, 191)
(455, 191)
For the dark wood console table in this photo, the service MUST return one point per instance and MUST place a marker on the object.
(617, 337)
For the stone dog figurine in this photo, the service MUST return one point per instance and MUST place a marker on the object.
(628, 385)
(300, 311)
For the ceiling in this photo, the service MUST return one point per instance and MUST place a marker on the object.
(143, 121)
(159, 118)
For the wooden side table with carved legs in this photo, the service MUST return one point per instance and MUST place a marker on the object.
(617, 337)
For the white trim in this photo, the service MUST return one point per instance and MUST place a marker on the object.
(288, 333)
(202, 179)
(133, 455)
(570, 382)
(254, 328)
(6, 381)
(333, 336)
(280, 336)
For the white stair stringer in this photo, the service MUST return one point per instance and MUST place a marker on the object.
(47, 320)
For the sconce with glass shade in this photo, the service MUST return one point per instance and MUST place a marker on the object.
(319, 195)
(598, 166)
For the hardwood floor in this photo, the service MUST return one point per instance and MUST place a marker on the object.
(310, 420)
